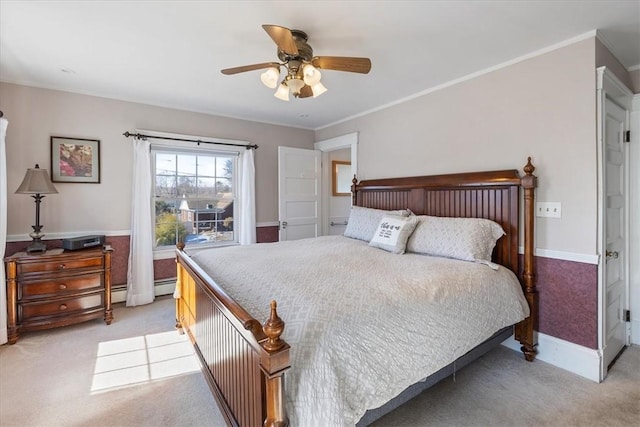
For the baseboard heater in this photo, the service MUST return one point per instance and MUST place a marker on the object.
(160, 287)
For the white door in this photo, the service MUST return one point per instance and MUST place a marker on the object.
(299, 192)
(615, 268)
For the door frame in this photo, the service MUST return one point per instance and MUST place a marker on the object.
(349, 140)
(609, 87)
(634, 216)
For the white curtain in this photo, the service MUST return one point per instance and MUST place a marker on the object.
(140, 274)
(3, 228)
(247, 220)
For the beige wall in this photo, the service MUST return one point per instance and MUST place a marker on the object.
(604, 58)
(543, 107)
(36, 114)
(635, 80)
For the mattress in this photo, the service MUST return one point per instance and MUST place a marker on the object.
(363, 323)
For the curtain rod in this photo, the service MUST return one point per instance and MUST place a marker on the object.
(198, 141)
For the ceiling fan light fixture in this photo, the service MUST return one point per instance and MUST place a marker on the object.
(283, 92)
(270, 77)
(311, 74)
(318, 89)
(295, 84)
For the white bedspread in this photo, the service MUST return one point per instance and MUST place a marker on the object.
(364, 324)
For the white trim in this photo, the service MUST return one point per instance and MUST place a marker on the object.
(445, 85)
(349, 140)
(566, 355)
(565, 256)
(634, 213)
(68, 234)
(634, 68)
(635, 331)
(268, 224)
(160, 287)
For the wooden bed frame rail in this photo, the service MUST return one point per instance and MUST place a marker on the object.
(244, 362)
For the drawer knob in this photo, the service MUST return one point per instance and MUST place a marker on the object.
(63, 286)
(61, 266)
(63, 306)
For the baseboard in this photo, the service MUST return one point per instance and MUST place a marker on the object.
(563, 354)
(161, 287)
(635, 332)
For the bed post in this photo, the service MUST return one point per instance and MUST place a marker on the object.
(274, 363)
(178, 289)
(525, 330)
(354, 193)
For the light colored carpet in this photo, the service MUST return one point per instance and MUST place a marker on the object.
(140, 372)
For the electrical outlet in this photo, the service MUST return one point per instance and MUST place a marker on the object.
(549, 209)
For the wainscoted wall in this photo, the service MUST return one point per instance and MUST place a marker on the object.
(163, 268)
(568, 300)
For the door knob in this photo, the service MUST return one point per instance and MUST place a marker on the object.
(612, 254)
(284, 224)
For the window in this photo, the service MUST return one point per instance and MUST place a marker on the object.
(194, 194)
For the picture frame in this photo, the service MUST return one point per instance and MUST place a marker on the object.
(340, 178)
(75, 160)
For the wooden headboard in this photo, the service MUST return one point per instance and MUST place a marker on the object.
(493, 195)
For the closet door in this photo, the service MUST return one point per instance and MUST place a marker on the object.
(613, 123)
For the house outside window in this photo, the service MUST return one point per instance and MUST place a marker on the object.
(194, 194)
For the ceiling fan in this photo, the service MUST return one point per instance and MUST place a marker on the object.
(302, 75)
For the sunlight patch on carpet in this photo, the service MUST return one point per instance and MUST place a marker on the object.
(133, 361)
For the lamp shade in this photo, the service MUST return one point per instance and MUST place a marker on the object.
(36, 181)
(311, 75)
(318, 89)
(295, 84)
(282, 92)
(270, 77)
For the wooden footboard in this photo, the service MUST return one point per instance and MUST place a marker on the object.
(243, 361)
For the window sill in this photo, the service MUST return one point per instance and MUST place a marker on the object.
(170, 253)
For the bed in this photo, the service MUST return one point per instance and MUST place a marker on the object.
(220, 297)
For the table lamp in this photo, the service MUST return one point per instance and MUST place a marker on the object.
(36, 182)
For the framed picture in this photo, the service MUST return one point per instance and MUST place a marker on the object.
(341, 178)
(75, 160)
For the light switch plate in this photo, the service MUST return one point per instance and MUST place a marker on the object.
(549, 209)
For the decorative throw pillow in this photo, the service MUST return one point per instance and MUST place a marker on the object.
(393, 232)
(468, 239)
(363, 222)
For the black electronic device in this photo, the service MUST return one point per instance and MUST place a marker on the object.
(82, 242)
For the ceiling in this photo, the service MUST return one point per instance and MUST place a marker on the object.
(170, 53)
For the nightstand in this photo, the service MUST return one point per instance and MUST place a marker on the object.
(57, 288)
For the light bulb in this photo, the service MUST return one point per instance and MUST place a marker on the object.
(270, 77)
(282, 92)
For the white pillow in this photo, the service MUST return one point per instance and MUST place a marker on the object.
(363, 222)
(393, 232)
(468, 239)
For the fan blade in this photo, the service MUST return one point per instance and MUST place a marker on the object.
(283, 38)
(305, 92)
(236, 70)
(342, 63)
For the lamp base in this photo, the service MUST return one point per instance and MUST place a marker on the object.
(36, 247)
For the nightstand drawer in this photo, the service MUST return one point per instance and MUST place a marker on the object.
(60, 265)
(61, 307)
(60, 286)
